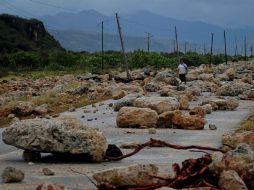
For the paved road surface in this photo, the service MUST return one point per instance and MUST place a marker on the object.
(225, 120)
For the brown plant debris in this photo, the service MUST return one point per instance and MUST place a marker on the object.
(160, 143)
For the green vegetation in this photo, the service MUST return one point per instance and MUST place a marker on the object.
(26, 35)
(25, 45)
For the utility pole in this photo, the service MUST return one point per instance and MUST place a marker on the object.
(185, 47)
(149, 35)
(245, 48)
(174, 45)
(225, 47)
(211, 52)
(236, 48)
(177, 46)
(122, 45)
(102, 46)
(251, 50)
(204, 49)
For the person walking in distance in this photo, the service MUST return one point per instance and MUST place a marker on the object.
(182, 71)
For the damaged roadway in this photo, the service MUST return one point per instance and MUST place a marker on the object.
(105, 120)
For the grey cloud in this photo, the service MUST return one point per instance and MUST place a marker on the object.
(228, 13)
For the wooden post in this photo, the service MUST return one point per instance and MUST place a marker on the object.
(236, 48)
(122, 45)
(177, 46)
(174, 45)
(225, 47)
(211, 52)
(149, 35)
(185, 47)
(204, 49)
(245, 48)
(102, 46)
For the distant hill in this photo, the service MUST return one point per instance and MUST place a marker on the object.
(137, 24)
(88, 41)
(22, 34)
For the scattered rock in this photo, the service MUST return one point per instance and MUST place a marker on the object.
(207, 108)
(113, 151)
(184, 102)
(151, 87)
(188, 122)
(12, 175)
(48, 172)
(198, 111)
(42, 109)
(234, 139)
(241, 160)
(134, 175)
(118, 94)
(230, 180)
(72, 109)
(136, 117)
(212, 126)
(165, 119)
(126, 101)
(222, 104)
(23, 108)
(159, 104)
(80, 90)
(57, 135)
(152, 131)
(11, 116)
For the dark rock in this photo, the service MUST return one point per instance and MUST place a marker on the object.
(11, 175)
(113, 151)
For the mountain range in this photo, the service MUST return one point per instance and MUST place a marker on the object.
(82, 31)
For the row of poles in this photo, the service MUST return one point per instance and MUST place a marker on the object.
(176, 43)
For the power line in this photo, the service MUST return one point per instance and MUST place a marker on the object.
(141, 24)
(14, 8)
(52, 5)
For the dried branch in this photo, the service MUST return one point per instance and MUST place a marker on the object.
(153, 142)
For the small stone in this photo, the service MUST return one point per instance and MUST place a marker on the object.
(151, 130)
(47, 171)
(72, 109)
(93, 105)
(82, 116)
(95, 118)
(11, 175)
(55, 115)
(230, 180)
(47, 117)
(101, 104)
(30, 163)
(212, 126)
(89, 119)
(15, 119)
(110, 104)
(11, 116)
(113, 151)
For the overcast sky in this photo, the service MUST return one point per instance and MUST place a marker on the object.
(225, 13)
